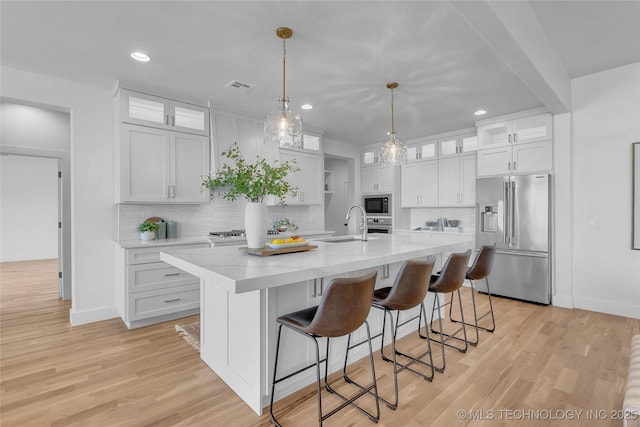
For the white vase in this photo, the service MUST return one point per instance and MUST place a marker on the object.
(147, 235)
(255, 224)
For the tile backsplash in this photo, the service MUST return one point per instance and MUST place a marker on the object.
(467, 216)
(218, 215)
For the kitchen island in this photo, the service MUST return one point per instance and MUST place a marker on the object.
(241, 296)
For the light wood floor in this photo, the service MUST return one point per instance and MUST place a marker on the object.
(539, 358)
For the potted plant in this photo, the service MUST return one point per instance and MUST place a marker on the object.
(148, 230)
(253, 181)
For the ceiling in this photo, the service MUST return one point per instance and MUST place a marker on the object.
(449, 57)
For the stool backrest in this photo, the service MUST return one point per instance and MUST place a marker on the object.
(344, 306)
(410, 287)
(483, 263)
(453, 273)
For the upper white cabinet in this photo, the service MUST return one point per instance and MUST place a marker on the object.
(422, 151)
(420, 184)
(523, 145)
(308, 180)
(518, 131)
(457, 181)
(377, 179)
(148, 110)
(159, 166)
(370, 158)
(457, 145)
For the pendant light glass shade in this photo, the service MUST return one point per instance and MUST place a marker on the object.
(393, 151)
(282, 127)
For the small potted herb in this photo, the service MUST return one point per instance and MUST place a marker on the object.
(148, 230)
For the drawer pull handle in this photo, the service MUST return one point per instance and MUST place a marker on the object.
(172, 300)
(171, 274)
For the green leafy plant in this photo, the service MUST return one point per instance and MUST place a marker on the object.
(253, 181)
(147, 226)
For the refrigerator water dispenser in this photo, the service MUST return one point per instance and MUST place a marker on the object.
(489, 219)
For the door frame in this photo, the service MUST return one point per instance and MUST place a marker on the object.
(64, 209)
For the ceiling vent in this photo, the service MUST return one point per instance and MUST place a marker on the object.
(241, 86)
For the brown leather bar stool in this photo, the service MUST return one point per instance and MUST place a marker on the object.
(449, 281)
(343, 309)
(480, 269)
(408, 291)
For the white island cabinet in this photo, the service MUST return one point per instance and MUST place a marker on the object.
(241, 296)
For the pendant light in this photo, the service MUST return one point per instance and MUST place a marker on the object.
(282, 127)
(393, 151)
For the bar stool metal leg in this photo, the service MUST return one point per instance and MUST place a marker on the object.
(490, 329)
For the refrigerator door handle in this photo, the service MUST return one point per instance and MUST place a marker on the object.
(521, 253)
(513, 210)
(507, 208)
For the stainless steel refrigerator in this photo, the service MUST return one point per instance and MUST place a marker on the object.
(513, 214)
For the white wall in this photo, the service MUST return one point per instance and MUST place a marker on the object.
(605, 121)
(29, 208)
(34, 127)
(92, 184)
(335, 202)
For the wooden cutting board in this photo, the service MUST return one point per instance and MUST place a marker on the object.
(266, 251)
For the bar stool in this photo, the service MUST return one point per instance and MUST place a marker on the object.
(449, 281)
(408, 291)
(343, 309)
(480, 269)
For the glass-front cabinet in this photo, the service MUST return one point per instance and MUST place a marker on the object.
(457, 145)
(149, 110)
(420, 151)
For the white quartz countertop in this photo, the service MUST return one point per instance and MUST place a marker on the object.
(454, 233)
(241, 272)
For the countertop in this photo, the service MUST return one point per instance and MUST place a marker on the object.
(447, 233)
(240, 272)
(137, 243)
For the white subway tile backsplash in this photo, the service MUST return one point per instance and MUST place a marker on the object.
(467, 216)
(217, 215)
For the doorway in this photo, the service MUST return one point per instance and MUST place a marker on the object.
(339, 192)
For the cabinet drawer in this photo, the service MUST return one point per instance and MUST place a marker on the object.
(157, 275)
(147, 255)
(143, 305)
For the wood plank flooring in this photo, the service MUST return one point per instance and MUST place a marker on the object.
(542, 363)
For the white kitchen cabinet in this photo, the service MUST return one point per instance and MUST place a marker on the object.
(308, 179)
(519, 131)
(378, 179)
(160, 166)
(150, 291)
(457, 181)
(420, 184)
(422, 151)
(148, 110)
(457, 145)
(370, 157)
(519, 158)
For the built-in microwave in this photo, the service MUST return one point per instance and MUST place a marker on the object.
(377, 205)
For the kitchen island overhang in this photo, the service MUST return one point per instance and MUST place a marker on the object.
(241, 295)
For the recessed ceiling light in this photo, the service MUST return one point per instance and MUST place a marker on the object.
(140, 56)
(480, 112)
(306, 107)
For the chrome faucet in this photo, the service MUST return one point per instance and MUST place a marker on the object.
(364, 220)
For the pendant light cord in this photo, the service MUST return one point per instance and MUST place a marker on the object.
(284, 66)
(393, 129)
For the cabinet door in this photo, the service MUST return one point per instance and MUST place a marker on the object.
(449, 182)
(140, 108)
(384, 181)
(224, 135)
(494, 135)
(311, 180)
(293, 178)
(411, 180)
(190, 154)
(533, 157)
(468, 144)
(247, 138)
(448, 147)
(145, 164)
(413, 153)
(468, 175)
(369, 180)
(495, 161)
(429, 183)
(370, 158)
(189, 118)
(533, 128)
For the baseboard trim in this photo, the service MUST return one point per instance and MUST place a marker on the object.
(608, 307)
(95, 315)
(564, 301)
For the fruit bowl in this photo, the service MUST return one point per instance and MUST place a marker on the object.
(286, 245)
